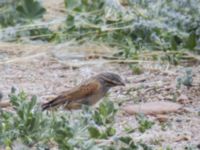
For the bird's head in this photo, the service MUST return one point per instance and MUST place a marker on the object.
(111, 79)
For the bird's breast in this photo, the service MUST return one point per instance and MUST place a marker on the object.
(93, 99)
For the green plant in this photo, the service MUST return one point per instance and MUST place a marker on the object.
(168, 148)
(105, 113)
(144, 123)
(41, 33)
(8, 8)
(30, 9)
(190, 147)
(136, 69)
(25, 124)
(185, 80)
(103, 118)
(128, 143)
(172, 58)
(148, 25)
(28, 125)
(22, 11)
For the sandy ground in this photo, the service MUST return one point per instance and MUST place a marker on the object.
(47, 70)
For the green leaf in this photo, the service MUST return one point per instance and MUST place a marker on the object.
(126, 139)
(129, 141)
(106, 108)
(110, 131)
(191, 41)
(144, 123)
(94, 132)
(173, 44)
(71, 4)
(30, 9)
(145, 146)
(32, 103)
(97, 118)
(20, 113)
(14, 100)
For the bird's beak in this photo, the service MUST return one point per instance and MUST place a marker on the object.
(119, 83)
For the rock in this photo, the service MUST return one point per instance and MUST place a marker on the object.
(162, 118)
(178, 120)
(152, 108)
(198, 146)
(183, 99)
(183, 138)
(1, 95)
(5, 104)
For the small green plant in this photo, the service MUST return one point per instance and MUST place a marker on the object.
(128, 128)
(144, 123)
(190, 147)
(185, 80)
(128, 143)
(62, 132)
(30, 126)
(199, 113)
(172, 58)
(21, 11)
(26, 123)
(102, 133)
(8, 13)
(136, 69)
(105, 113)
(131, 29)
(30, 9)
(41, 33)
(103, 117)
(169, 148)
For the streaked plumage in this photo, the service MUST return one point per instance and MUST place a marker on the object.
(87, 93)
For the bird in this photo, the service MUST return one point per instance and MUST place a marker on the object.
(87, 93)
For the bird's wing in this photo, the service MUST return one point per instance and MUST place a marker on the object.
(74, 94)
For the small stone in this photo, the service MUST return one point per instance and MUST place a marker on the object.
(162, 118)
(198, 146)
(169, 97)
(152, 108)
(183, 138)
(178, 120)
(5, 103)
(183, 99)
(1, 95)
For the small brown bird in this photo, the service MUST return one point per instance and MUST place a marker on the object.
(87, 93)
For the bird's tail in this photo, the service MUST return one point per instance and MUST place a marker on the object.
(53, 103)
